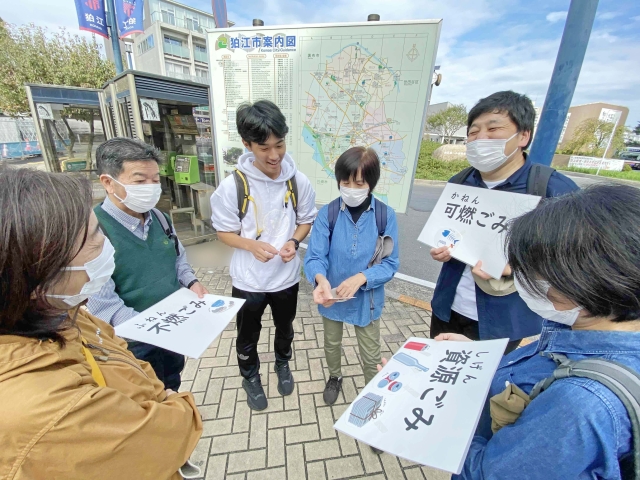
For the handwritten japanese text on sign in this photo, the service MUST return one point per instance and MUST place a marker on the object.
(425, 404)
(473, 221)
(182, 322)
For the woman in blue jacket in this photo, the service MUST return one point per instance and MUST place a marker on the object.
(575, 260)
(341, 260)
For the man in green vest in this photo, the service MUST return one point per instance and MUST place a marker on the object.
(151, 263)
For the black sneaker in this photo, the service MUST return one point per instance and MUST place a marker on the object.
(377, 451)
(285, 379)
(256, 399)
(331, 390)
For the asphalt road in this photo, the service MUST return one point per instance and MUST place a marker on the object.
(415, 260)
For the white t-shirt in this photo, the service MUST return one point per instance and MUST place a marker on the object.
(465, 300)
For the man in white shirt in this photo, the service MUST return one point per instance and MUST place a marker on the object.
(264, 211)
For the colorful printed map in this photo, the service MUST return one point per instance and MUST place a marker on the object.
(346, 107)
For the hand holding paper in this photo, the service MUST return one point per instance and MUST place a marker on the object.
(470, 224)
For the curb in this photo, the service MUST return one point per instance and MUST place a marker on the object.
(419, 181)
(620, 181)
(408, 300)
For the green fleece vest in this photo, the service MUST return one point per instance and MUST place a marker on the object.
(145, 269)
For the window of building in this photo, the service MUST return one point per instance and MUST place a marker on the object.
(200, 48)
(177, 70)
(146, 45)
(168, 14)
(172, 41)
(202, 72)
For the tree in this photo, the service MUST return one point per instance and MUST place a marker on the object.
(231, 155)
(448, 121)
(637, 129)
(31, 54)
(592, 136)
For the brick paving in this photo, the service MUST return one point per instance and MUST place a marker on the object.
(293, 438)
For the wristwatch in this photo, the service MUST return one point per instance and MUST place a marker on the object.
(296, 242)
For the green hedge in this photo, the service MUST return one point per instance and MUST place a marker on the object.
(431, 169)
(625, 174)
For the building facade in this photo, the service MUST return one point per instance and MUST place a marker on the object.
(459, 137)
(173, 43)
(602, 111)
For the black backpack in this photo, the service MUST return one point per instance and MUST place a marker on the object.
(381, 216)
(537, 181)
(620, 379)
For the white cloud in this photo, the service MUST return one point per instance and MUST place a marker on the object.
(479, 53)
(554, 17)
(608, 15)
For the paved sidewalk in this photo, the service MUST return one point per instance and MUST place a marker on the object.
(294, 437)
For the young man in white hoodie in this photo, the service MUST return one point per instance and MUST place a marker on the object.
(265, 232)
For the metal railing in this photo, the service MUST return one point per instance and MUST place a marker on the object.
(201, 56)
(171, 19)
(176, 50)
(185, 76)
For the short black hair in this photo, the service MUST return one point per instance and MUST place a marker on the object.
(257, 122)
(586, 245)
(519, 108)
(359, 159)
(111, 155)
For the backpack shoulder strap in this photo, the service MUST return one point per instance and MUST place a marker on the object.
(621, 380)
(381, 217)
(334, 210)
(242, 189)
(538, 179)
(168, 231)
(460, 177)
(292, 193)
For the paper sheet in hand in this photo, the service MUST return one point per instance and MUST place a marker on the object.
(182, 322)
(425, 404)
(472, 221)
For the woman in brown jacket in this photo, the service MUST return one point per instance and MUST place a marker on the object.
(74, 403)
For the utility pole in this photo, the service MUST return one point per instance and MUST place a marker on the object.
(113, 33)
(573, 46)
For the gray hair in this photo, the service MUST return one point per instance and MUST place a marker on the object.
(111, 155)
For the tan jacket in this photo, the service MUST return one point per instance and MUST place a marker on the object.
(57, 424)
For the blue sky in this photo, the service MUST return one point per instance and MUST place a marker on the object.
(485, 45)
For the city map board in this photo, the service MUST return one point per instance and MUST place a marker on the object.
(338, 86)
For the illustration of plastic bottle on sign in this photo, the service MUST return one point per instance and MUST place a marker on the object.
(409, 361)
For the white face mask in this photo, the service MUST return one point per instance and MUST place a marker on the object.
(487, 155)
(99, 271)
(544, 307)
(353, 196)
(140, 198)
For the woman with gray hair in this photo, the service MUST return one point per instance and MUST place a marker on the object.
(76, 404)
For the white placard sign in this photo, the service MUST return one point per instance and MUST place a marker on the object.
(473, 222)
(182, 322)
(425, 404)
(580, 161)
(149, 110)
(45, 112)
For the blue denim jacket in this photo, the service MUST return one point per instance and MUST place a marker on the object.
(576, 429)
(499, 317)
(350, 251)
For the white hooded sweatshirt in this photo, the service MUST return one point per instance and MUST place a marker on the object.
(278, 223)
